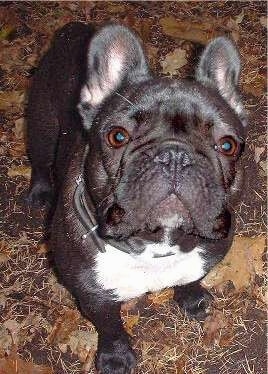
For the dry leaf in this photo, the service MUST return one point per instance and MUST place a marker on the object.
(19, 129)
(42, 248)
(174, 61)
(17, 150)
(234, 28)
(161, 297)
(4, 258)
(3, 300)
(23, 171)
(263, 21)
(14, 328)
(258, 151)
(255, 84)
(130, 321)
(5, 32)
(240, 265)
(212, 328)
(129, 305)
(10, 98)
(142, 26)
(13, 364)
(152, 53)
(59, 293)
(82, 342)
(63, 327)
(263, 165)
(5, 339)
(115, 7)
(240, 17)
(233, 25)
(194, 32)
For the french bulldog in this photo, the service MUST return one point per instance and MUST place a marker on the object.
(142, 172)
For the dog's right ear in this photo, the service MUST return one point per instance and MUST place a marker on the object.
(219, 67)
(115, 58)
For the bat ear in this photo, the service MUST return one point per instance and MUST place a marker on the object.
(115, 59)
(219, 67)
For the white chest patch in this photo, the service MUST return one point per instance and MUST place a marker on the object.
(132, 275)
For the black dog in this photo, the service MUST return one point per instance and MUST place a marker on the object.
(144, 172)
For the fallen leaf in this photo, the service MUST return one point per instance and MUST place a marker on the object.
(115, 7)
(10, 98)
(88, 361)
(23, 171)
(142, 26)
(130, 321)
(195, 32)
(5, 249)
(161, 297)
(42, 248)
(212, 327)
(129, 305)
(14, 328)
(240, 265)
(83, 342)
(239, 18)
(65, 324)
(263, 21)
(4, 258)
(152, 53)
(19, 129)
(233, 25)
(263, 165)
(5, 32)
(255, 84)
(59, 293)
(258, 151)
(3, 300)
(17, 150)
(174, 61)
(13, 364)
(5, 339)
(234, 28)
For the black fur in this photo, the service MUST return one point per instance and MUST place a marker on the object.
(89, 82)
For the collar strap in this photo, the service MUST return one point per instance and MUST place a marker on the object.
(87, 219)
(85, 215)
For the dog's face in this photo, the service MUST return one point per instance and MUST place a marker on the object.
(162, 153)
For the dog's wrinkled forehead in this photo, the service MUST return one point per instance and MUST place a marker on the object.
(166, 98)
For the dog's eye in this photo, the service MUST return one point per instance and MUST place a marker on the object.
(117, 137)
(228, 146)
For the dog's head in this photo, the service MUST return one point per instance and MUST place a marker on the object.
(162, 152)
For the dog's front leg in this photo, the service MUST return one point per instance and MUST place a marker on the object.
(114, 353)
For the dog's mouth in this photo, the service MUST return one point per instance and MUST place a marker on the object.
(169, 214)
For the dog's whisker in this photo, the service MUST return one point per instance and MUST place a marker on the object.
(124, 98)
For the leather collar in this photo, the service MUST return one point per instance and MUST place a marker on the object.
(87, 219)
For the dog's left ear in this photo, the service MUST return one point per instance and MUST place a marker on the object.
(219, 67)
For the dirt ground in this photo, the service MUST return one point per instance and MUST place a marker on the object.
(41, 331)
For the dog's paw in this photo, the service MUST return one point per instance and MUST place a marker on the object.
(195, 301)
(115, 357)
(40, 194)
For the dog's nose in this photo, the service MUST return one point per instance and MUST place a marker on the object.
(173, 157)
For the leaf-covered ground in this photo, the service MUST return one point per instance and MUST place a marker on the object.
(41, 331)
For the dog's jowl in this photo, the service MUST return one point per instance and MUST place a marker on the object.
(141, 172)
